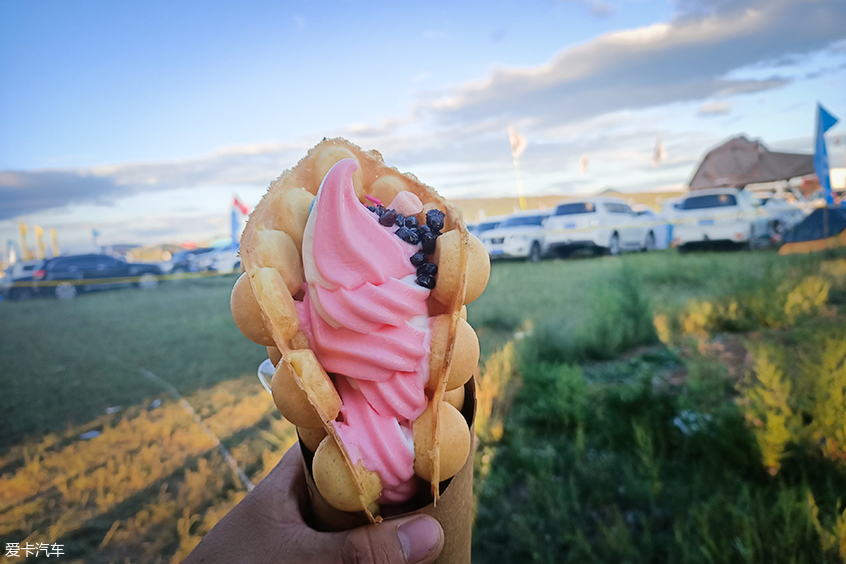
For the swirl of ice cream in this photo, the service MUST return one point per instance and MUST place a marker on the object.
(367, 322)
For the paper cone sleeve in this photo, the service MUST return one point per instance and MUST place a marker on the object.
(453, 509)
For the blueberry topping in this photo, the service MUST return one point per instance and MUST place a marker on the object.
(428, 269)
(428, 241)
(435, 219)
(388, 218)
(402, 233)
(423, 229)
(400, 220)
(380, 211)
(411, 222)
(372, 208)
(426, 281)
(412, 237)
(418, 259)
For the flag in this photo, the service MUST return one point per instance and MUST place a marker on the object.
(25, 253)
(54, 241)
(583, 162)
(242, 207)
(235, 224)
(518, 144)
(825, 121)
(659, 154)
(39, 242)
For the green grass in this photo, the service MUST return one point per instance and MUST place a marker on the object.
(65, 362)
(577, 301)
(613, 466)
(624, 461)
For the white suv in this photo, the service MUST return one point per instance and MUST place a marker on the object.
(521, 235)
(602, 224)
(720, 215)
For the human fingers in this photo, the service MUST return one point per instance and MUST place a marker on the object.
(409, 540)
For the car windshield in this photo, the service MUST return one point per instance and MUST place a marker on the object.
(523, 220)
(709, 201)
(575, 208)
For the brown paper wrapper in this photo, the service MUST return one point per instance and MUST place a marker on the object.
(454, 508)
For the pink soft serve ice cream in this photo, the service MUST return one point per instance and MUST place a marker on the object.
(367, 322)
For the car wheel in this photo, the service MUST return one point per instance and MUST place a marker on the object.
(614, 245)
(148, 281)
(66, 291)
(649, 244)
(535, 253)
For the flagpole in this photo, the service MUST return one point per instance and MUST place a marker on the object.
(519, 182)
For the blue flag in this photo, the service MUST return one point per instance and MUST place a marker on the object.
(825, 121)
(235, 226)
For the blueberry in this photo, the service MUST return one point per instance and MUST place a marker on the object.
(388, 218)
(400, 220)
(428, 269)
(423, 229)
(411, 222)
(426, 281)
(412, 236)
(407, 235)
(428, 241)
(372, 208)
(418, 259)
(380, 211)
(435, 219)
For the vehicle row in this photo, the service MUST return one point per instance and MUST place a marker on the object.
(66, 276)
(607, 225)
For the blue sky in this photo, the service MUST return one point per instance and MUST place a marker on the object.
(143, 118)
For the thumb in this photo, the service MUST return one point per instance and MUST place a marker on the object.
(412, 540)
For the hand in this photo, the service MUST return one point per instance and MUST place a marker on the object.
(268, 527)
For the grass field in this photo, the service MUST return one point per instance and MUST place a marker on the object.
(152, 482)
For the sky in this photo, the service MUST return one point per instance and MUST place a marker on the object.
(143, 119)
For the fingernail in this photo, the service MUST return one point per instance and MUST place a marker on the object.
(419, 538)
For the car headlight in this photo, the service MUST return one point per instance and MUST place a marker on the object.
(517, 239)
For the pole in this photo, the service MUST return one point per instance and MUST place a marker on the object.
(519, 183)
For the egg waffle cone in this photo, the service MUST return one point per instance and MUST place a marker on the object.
(263, 304)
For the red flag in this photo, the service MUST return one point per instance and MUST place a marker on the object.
(242, 207)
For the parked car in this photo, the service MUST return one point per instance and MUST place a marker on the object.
(521, 235)
(226, 260)
(184, 261)
(222, 259)
(720, 215)
(72, 272)
(21, 271)
(601, 224)
(658, 224)
(782, 215)
(480, 227)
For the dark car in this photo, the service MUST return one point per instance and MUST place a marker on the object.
(83, 273)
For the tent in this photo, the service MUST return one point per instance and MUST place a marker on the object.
(739, 162)
(810, 235)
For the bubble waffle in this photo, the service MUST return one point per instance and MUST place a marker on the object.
(278, 304)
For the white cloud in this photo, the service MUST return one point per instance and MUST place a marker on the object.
(683, 60)
(600, 98)
(714, 109)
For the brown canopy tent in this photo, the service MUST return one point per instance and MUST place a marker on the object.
(739, 162)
